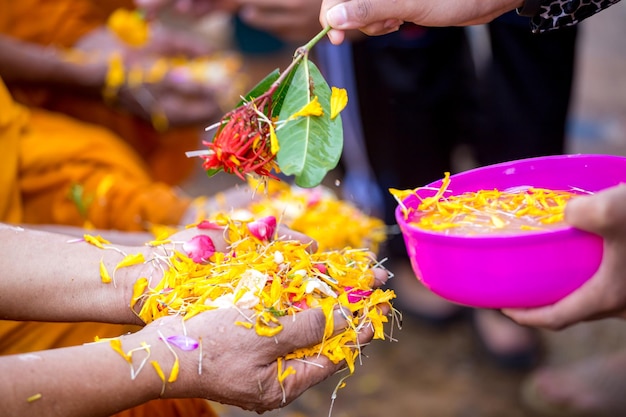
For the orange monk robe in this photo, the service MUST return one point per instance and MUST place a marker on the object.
(62, 23)
(42, 154)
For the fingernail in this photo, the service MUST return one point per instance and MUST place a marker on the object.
(340, 318)
(337, 16)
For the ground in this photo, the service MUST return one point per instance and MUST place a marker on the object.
(441, 372)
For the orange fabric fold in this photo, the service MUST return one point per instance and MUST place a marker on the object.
(58, 153)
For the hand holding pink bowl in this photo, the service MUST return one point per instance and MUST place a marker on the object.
(520, 270)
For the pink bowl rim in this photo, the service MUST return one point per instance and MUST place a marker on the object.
(513, 238)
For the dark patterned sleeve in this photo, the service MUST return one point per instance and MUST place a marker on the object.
(554, 14)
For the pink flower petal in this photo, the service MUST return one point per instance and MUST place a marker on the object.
(208, 225)
(355, 295)
(322, 268)
(183, 342)
(199, 248)
(263, 228)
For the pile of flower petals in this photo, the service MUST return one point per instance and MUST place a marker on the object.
(486, 211)
(318, 213)
(271, 278)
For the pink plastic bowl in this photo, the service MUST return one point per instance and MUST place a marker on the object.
(522, 270)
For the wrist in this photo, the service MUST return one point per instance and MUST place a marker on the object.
(170, 368)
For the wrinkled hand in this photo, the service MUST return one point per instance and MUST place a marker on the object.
(290, 20)
(378, 17)
(604, 295)
(178, 97)
(239, 367)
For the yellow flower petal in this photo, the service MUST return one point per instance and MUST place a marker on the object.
(338, 101)
(274, 147)
(132, 259)
(129, 26)
(312, 108)
(97, 241)
(104, 274)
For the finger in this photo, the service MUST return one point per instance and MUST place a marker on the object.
(381, 275)
(285, 233)
(382, 28)
(359, 14)
(582, 304)
(306, 329)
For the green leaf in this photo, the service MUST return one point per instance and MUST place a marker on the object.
(265, 84)
(309, 146)
(281, 92)
(261, 87)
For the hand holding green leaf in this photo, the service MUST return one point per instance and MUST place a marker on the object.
(288, 123)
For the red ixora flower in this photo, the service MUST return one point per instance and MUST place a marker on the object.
(243, 141)
(199, 248)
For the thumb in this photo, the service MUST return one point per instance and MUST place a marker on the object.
(600, 213)
(306, 329)
(356, 14)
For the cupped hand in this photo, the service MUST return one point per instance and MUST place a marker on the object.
(604, 295)
(240, 368)
(378, 17)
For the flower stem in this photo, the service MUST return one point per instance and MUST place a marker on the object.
(300, 53)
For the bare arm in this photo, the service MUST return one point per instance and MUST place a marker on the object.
(53, 277)
(31, 63)
(377, 17)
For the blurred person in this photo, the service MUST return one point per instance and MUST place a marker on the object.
(71, 376)
(58, 170)
(435, 99)
(72, 62)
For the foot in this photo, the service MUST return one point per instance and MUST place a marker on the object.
(506, 342)
(593, 387)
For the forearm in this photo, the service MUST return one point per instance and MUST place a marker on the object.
(23, 62)
(88, 380)
(65, 273)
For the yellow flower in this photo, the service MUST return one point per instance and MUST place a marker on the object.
(338, 101)
(129, 26)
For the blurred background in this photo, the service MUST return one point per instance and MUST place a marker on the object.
(440, 372)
